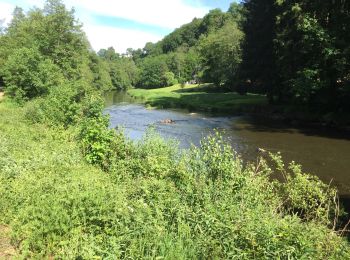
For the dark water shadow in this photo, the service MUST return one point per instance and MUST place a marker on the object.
(118, 97)
(262, 124)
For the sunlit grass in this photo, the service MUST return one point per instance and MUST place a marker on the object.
(199, 97)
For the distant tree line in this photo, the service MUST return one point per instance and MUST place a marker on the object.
(204, 50)
(295, 52)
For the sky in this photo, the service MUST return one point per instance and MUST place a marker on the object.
(126, 23)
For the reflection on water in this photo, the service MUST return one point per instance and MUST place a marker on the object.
(321, 152)
(117, 97)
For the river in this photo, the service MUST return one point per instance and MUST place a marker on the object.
(323, 152)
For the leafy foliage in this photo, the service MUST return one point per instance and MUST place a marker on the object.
(122, 70)
(221, 54)
(44, 49)
(27, 74)
(206, 49)
(297, 52)
(153, 70)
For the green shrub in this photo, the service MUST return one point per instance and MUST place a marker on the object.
(65, 105)
(27, 74)
(169, 78)
(305, 195)
(96, 140)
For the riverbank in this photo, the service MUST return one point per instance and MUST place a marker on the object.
(153, 202)
(304, 145)
(206, 98)
(200, 98)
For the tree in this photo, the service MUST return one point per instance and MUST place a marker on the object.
(259, 60)
(313, 59)
(122, 69)
(152, 49)
(44, 42)
(213, 21)
(221, 55)
(109, 54)
(100, 70)
(62, 38)
(237, 12)
(124, 73)
(152, 72)
(28, 74)
(187, 34)
(176, 64)
(169, 78)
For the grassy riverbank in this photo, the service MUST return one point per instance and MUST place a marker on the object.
(212, 99)
(152, 201)
(199, 98)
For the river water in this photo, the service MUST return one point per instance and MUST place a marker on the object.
(321, 152)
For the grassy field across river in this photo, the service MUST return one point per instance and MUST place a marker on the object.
(199, 98)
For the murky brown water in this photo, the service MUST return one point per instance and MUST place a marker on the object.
(322, 152)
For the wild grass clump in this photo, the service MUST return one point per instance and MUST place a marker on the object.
(151, 200)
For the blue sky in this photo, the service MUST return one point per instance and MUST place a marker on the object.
(127, 23)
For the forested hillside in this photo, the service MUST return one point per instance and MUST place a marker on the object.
(204, 50)
(72, 188)
(295, 52)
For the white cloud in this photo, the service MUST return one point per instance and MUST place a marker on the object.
(6, 10)
(163, 13)
(121, 39)
(168, 14)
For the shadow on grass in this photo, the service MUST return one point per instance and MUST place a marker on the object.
(205, 88)
(220, 103)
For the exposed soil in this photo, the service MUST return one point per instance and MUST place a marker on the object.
(7, 251)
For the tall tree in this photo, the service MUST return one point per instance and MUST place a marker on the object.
(221, 55)
(313, 52)
(259, 63)
(40, 43)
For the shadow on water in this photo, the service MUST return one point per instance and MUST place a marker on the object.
(261, 124)
(322, 152)
(117, 97)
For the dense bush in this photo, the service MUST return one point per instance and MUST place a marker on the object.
(27, 74)
(95, 137)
